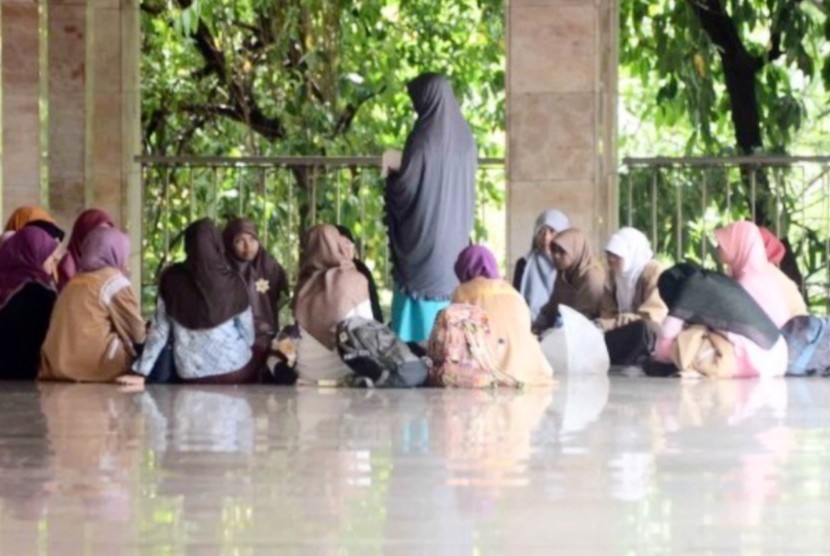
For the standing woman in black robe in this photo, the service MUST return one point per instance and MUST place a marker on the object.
(430, 204)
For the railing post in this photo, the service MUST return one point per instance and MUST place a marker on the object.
(654, 178)
(704, 207)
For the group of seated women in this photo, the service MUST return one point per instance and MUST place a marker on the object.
(72, 314)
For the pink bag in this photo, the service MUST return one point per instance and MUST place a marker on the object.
(458, 350)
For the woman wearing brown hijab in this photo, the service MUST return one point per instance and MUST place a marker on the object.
(265, 278)
(579, 279)
(329, 290)
(204, 304)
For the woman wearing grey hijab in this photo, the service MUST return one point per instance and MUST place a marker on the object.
(535, 273)
(430, 204)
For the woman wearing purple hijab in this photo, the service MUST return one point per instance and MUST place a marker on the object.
(28, 261)
(512, 344)
(96, 325)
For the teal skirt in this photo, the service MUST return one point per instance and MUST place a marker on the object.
(412, 319)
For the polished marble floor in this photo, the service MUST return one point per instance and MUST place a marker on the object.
(626, 466)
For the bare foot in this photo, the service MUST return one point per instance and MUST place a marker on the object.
(130, 383)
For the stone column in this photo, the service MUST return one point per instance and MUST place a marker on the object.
(562, 57)
(67, 22)
(21, 111)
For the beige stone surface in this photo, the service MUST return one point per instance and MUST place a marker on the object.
(552, 49)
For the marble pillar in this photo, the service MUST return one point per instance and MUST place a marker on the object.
(562, 59)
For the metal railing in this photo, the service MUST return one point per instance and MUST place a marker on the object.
(678, 202)
(284, 196)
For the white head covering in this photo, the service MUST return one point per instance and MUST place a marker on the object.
(633, 247)
(540, 274)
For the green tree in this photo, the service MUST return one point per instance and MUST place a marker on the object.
(304, 77)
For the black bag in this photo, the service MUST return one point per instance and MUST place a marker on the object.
(377, 356)
(164, 369)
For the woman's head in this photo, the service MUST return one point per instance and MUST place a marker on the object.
(428, 92)
(325, 247)
(570, 249)
(740, 247)
(241, 240)
(548, 224)
(32, 249)
(476, 261)
(628, 251)
(105, 247)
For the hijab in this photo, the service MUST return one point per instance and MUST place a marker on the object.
(476, 261)
(203, 291)
(329, 285)
(22, 259)
(539, 274)
(105, 247)
(87, 221)
(26, 215)
(263, 275)
(697, 296)
(430, 201)
(773, 247)
(633, 247)
(742, 249)
(575, 243)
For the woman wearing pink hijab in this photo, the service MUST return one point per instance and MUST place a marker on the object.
(86, 222)
(741, 248)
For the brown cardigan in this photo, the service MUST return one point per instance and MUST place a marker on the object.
(584, 296)
(650, 307)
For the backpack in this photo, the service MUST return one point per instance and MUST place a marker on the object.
(459, 353)
(377, 356)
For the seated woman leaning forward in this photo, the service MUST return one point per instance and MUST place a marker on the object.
(579, 279)
(28, 261)
(329, 290)
(535, 274)
(513, 346)
(632, 310)
(715, 328)
(203, 303)
(741, 248)
(96, 325)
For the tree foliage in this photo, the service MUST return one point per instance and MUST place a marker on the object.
(304, 77)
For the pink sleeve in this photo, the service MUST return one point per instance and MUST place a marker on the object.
(663, 348)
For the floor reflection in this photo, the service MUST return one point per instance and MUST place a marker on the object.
(590, 465)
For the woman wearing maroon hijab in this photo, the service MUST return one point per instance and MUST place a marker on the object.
(86, 222)
(27, 295)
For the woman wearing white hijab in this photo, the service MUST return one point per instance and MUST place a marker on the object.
(631, 308)
(535, 273)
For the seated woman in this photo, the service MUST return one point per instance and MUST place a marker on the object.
(715, 328)
(632, 310)
(263, 275)
(329, 290)
(579, 279)
(781, 255)
(96, 324)
(86, 222)
(204, 305)
(27, 294)
(361, 267)
(515, 349)
(741, 248)
(535, 274)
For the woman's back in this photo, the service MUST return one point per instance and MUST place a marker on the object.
(24, 320)
(94, 325)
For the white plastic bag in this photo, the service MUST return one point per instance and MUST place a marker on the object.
(576, 347)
